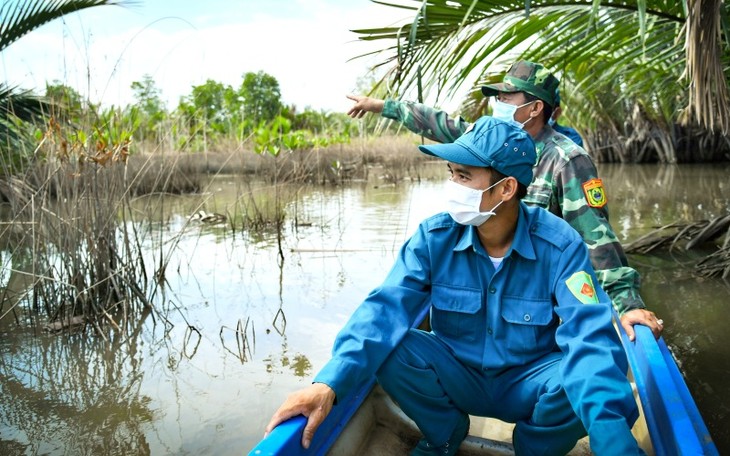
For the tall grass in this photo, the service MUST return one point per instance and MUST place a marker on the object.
(76, 236)
(73, 236)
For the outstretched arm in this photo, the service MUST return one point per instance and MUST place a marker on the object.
(364, 105)
(422, 120)
(314, 402)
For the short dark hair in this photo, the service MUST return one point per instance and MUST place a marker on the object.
(547, 110)
(495, 176)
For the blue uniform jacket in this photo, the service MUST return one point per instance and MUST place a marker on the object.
(543, 298)
(571, 133)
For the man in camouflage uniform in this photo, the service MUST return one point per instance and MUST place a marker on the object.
(566, 181)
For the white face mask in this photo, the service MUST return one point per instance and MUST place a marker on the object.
(506, 112)
(463, 203)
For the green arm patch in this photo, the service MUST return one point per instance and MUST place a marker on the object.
(581, 285)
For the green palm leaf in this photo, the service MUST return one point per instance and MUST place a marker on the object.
(613, 57)
(20, 103)
(22, 17)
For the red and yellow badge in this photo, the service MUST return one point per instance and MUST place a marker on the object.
(581, 285)
(595, 194)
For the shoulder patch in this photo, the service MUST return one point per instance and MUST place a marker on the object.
(581, 285)
(595, 194)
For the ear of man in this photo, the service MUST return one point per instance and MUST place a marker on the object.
(508, 189)
(537, 108)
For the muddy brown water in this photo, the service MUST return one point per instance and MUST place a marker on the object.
(184, 381)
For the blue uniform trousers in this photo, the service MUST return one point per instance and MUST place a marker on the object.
(435, 389)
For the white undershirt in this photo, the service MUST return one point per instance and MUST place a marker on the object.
(496, 261)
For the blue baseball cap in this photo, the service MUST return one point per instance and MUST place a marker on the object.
(491, 143)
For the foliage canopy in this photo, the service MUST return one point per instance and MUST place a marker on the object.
(629, 69)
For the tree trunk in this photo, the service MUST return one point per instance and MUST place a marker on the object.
(709, 99)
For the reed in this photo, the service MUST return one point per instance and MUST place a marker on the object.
(74, 238)
(76, 233)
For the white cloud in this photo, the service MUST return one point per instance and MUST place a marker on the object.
(304, 45)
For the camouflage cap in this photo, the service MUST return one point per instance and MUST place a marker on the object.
(529, 77)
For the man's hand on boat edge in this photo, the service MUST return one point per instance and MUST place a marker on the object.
(314, 402)
(641, 317)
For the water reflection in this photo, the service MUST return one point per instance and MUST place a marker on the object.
(298, 364)
(244, 347)
(695, 310)
(644, 197)
(237, 327)
(73, 396)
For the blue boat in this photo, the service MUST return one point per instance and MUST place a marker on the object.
(369, 423)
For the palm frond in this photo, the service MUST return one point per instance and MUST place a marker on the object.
(612, 56)
(23, 104)
(17, 18)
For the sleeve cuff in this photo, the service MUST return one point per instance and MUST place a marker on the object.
(390, 109)
(613, 437)
(339, 375)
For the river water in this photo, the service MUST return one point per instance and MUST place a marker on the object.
(240, 325)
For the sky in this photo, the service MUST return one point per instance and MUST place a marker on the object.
(305, 44)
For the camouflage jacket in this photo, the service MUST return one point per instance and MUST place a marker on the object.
(566, 183)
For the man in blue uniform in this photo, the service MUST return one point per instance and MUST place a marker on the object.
(565, 181)
(520, 330)
(568, 132)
